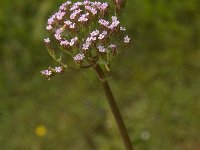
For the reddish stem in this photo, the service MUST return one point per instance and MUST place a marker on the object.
(114, 108)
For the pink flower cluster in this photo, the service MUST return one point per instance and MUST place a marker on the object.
(94, 36)
(51, 71)
(83, 27)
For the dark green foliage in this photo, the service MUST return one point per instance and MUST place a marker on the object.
(156, 82)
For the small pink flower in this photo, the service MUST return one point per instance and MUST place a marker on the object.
(126, 39)
(79, 57)
(104, 32)
(93, 11)
(101, 49)
(64, 43)
(102, 35)
(122, 28)
(72, 42)
(114, 18)
(103, 6)
(51, 20)
(59, 31)
(75, 6)
(86, 46)
(59, 15)
(86, 2)
(114, 23)
(62, 7)
(78, 3)
(72, 16)
(47, 40)
(57, 36)
(68, 22)
(87, 7)
(83, 18)
(48, 27)
(72, 26)
(93, 38)
(58, 69)
(90, 39)
(103, 22)
(94, 33)
(97, 4)
(68, 2)
(46, 72)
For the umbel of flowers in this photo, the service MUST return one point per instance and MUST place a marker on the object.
(87, 32)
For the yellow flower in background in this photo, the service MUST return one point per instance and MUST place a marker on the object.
(40, 130)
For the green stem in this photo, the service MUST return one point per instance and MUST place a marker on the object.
(114, 108)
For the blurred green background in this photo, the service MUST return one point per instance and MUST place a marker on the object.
(156, 82)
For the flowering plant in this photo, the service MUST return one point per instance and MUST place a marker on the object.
(86, 31)
(91, 35)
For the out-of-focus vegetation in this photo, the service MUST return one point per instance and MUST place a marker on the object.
(156, 82)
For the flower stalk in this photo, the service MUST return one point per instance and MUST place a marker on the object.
(114, 108)
(91, 34)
